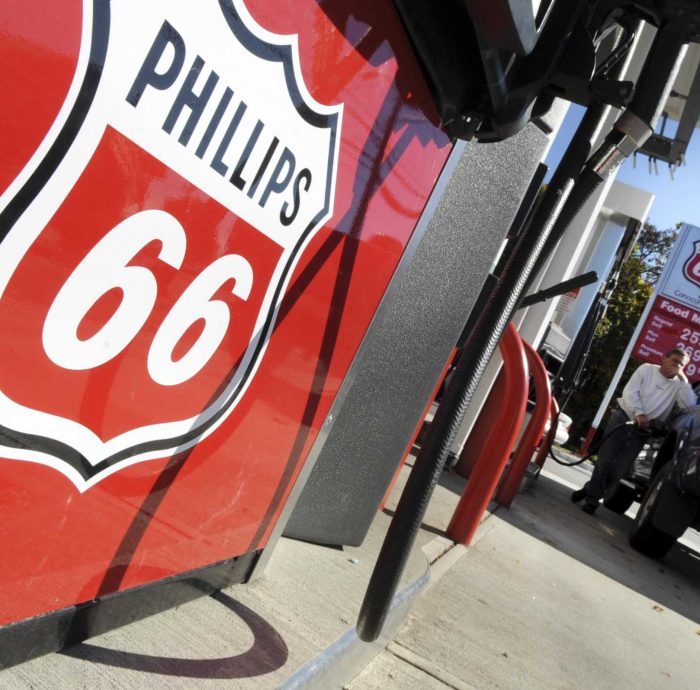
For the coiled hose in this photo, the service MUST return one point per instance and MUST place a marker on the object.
(478, 349)
(563, 202)
(594, 451)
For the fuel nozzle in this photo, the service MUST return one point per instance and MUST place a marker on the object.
(637, 122)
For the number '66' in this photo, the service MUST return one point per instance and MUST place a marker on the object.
(105, 268)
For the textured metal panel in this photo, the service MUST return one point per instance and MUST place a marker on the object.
(411, 338)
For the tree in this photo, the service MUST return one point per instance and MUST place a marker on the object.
(635, 285)
(652, 249)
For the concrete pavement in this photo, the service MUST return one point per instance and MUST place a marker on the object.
(549, 597)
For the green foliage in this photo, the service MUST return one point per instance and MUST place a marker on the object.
(627, 301)
(652, 249)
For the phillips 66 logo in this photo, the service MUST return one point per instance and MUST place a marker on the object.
(691, 267)
(148, 241)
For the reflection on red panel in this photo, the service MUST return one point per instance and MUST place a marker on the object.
(39, 45)
(140, 438)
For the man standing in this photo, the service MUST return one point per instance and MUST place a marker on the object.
(650, 395)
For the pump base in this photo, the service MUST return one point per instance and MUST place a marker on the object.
(59, 629)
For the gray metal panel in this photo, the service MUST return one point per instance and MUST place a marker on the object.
(412, 335)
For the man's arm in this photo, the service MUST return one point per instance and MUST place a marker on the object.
(685, 396)
(632, 398)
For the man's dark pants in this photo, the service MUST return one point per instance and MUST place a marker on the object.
(615, 456)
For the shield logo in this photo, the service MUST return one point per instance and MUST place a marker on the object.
(691, 268)
(148, 242)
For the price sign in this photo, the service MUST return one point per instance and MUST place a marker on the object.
(670, 325)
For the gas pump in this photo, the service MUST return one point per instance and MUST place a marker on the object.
(199, 217)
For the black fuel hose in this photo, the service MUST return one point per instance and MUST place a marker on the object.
(478, 349)
(479, 346)
(590, 454)
(656, 429)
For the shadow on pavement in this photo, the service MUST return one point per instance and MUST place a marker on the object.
(545, 512)
(268, 653)
(423, 525)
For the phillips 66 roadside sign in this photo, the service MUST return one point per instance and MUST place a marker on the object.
(145, 314)
(673, 320)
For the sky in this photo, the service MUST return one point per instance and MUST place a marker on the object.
(676, 200)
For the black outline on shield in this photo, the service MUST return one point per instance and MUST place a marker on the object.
(46, 168)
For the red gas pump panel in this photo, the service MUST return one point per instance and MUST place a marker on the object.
(202, 206)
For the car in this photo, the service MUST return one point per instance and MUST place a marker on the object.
(564, 423)
(665, 479)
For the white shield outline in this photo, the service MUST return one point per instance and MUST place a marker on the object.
(64, 444)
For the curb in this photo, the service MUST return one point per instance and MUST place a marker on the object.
(342, 660)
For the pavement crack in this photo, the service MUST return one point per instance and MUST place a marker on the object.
(445, 677)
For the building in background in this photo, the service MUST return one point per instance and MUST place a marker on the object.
(622, 204)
